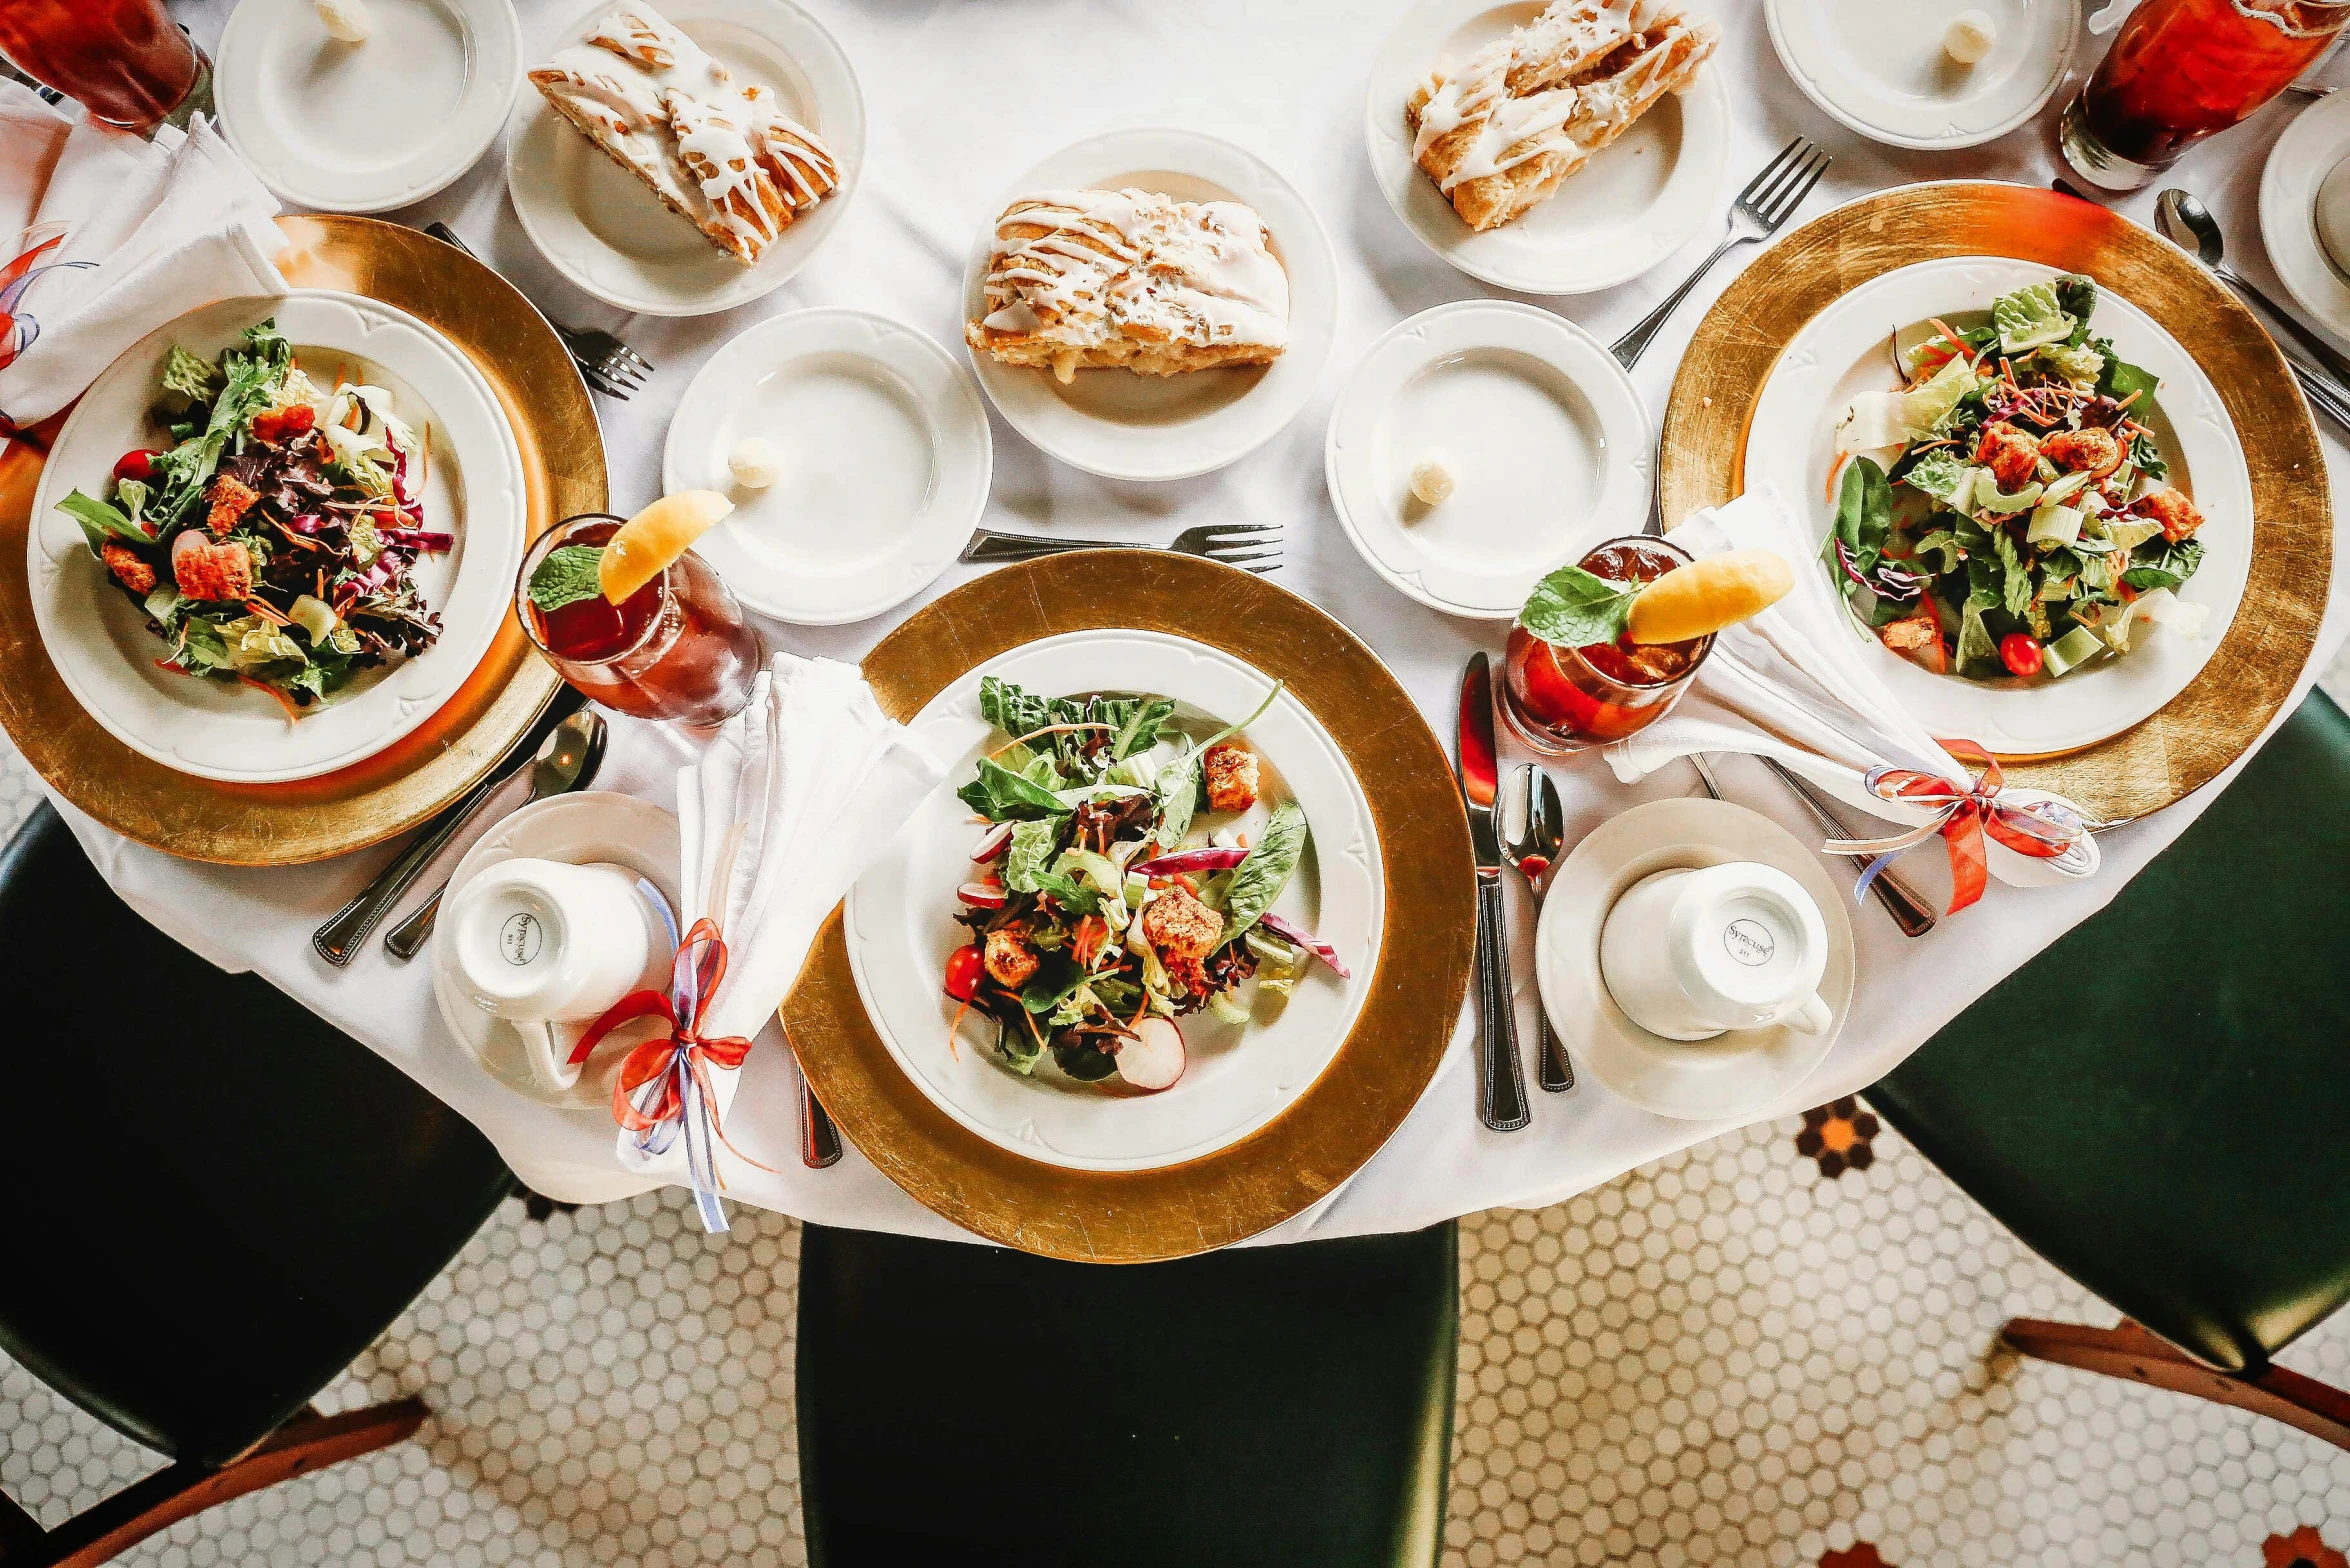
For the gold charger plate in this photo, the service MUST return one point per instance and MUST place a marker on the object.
(2226, 707)
(311, 819)
(1416, 987)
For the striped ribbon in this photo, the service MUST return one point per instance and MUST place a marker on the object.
(1961, 816)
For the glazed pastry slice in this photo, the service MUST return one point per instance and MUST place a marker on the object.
(798, 161)
(747, 211)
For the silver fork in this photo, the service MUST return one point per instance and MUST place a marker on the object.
(1253, 546)
(609, 365)
(1768, 201)
(1532, 836)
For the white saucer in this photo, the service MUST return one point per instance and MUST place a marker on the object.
(596, 826)
(1735, 1074)
(2317, 140)
(1124, 426)
(1878, 66)
(605, 230)
(886, 456)
(1634, 205)
(370, 126)
(1539, 426)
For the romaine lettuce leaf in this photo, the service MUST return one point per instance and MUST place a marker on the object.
(2030, 318)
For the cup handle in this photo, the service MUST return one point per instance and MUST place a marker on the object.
(548, 1064)
(1813, 1017)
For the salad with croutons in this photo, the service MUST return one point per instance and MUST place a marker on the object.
(1123, 882)
(2019, 526)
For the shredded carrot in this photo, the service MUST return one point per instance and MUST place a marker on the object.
(1956, 341)
(953, 1053)
(283, 701)
(268, 612)
(1050, 729)
(1836, 472)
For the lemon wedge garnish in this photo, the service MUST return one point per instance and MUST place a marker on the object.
(650, 542)
(1703, 597)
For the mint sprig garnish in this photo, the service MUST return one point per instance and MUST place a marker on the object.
(570, 573)
(1573, 608)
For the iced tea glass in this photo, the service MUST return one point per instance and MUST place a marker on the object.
(1563, 700)
(123, 60)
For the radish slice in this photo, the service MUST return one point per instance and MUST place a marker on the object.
(1191, 860)
(1154, 1058)
(998, 837)
(981, 895)
(1313, 944)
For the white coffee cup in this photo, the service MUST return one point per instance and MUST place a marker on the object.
(1691, 954)
(542, 942)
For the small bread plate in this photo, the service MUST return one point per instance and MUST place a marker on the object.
(371, 125)
(605, 230)
(99, 639)
(885, 453)
(1736, 1074)
(1536, 424)
(592, 828)
(1842, 352)
(1126, 426)
(2313, 147)
(1632, 206)
(1879, 66)
(902, 928)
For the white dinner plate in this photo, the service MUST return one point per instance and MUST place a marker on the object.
(886, 460)
(1125, 426)
(1734, 1074)
(1540, 428)
(605, 230)
(1631, 207)
(473, 488)
(369, 126)
(901, 926)
(2312, 146)
(1878, 65)
(1842, 352)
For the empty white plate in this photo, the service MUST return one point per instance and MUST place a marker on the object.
(1540, 428)
(369, 126)
(605, 230)
(1124, 426)
(886, 461)
(2312, 147)
(1630, 208)
(1878, 65)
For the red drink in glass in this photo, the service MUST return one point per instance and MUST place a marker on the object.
(2182, 70)
(1561, 700)
(123, 60)
(679, 648)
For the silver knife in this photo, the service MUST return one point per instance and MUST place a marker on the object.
(1501, 1078)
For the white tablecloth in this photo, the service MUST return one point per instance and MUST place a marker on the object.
(961, 97)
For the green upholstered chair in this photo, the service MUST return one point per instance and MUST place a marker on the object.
(219, 1202)
(2159, 1104)
(1279, 1405)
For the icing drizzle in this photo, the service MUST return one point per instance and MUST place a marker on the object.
(1135, 264)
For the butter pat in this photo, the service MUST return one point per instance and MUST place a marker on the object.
(346, 20)
(755, 463)
(1971, 37)
(1431, 482)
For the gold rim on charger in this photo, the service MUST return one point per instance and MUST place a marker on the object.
(562, 451)
(1416, 986)
(2195, 736)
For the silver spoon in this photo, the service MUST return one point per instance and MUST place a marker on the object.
(2188, 224)
(1532, 835)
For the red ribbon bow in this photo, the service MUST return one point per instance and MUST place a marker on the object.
(2043, 829)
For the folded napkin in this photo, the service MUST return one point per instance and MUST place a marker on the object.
(1795, 683)
(793, 799)
(105, 236)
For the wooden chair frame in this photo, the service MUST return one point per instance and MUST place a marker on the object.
(2142, 1356)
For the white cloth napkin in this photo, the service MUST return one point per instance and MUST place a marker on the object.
(1793, 684)
(136, 233)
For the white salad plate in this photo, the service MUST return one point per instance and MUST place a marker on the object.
(590, 828)
(604, 229)
(368, 126)
(2313, 146)
(473, 488)
(901, 922)
(1540, 428)
(1878, 65)
(886, 461)
(1631, 207)
(1734, 1074)
(1842, 352)
(1126, 426)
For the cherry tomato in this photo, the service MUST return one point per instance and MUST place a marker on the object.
(299, 418)
(269, 425)
(135, 465)
(964, 973)
(2020, 654)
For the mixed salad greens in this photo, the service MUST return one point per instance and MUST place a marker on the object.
(1105, 906)
(2020, 527)
(274, 542)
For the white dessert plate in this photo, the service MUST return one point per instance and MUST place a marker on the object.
(1540, 428)
(473, 488)
(596, 827)
(886, 461)
(1841, 352)
(1735, 1074)
(369, 126)
(2312, 146)
(901, 923)
(1124, 426)
(1878, 65)
(1631, 207)
(605, 230)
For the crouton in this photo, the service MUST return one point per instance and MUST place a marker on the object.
(1232, 777)
(129, 567)
(1184, 932)
(1009, 959)
(1908, 634)
(231, 500)
(2093, 452)
(2178, 516)
(211, 571)
(2011, 454)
